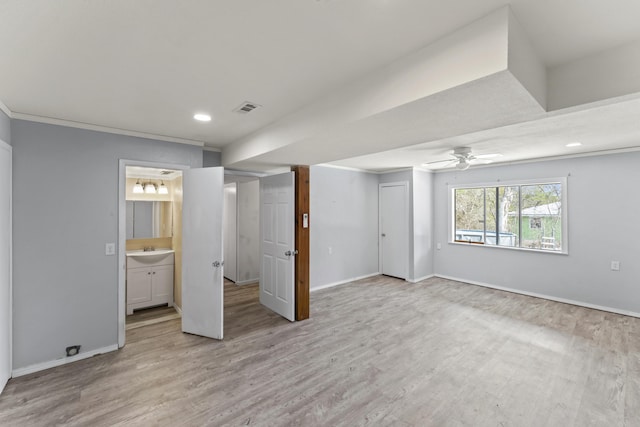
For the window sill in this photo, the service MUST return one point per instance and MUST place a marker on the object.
(482, 245)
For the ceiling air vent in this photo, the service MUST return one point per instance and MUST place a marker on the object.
(246, 107)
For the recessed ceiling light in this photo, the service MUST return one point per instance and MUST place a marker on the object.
(202, 117)
(574, 144)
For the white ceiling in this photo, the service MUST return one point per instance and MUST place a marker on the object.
(152, 173)
(147, 66)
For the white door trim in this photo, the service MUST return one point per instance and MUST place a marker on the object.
(404, 184)
(7, 147)
(122, 234)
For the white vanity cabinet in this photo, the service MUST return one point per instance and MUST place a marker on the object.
(149, 279)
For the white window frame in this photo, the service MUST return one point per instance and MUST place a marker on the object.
(565, 223)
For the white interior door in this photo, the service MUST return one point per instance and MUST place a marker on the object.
(277, 230)
(394, 230)
(202, 262)
(5, 264)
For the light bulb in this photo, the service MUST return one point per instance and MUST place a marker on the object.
(137, 188)
(163, 188)
(150, 188)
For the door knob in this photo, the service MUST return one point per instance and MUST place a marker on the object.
(383, 235)
(293, 252)
(216, 264)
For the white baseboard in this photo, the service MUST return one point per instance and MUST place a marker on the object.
(247, 282)
(420, 279)
(58, 362)
(178, 309)
(543, 296)
(342, 282)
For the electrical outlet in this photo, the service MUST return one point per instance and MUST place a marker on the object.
(110, 249)
(615, 265)
(72, 350)
(438, 246)
(330, 250)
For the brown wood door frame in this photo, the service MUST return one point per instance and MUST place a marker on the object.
(302, 228)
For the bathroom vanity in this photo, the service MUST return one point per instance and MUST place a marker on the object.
(149, 278)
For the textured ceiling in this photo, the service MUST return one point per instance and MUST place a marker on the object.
(148, 66)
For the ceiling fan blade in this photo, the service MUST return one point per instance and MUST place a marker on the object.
(488, 156)
(440, 163)
(478, 160)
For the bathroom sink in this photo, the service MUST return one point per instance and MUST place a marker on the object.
(149, 257)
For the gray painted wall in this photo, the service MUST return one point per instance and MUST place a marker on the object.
(5, 128)
(211, 159)
(603, 223)
(344, 216)
(65, 198)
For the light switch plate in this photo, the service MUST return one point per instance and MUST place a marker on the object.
(110, 249)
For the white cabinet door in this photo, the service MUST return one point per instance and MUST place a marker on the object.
(162, 283)
(139, 285)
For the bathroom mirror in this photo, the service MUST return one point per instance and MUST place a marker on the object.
(149, 219)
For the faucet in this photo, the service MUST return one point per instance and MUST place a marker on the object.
(148, 249)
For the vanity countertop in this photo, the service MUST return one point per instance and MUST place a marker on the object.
(159, 251)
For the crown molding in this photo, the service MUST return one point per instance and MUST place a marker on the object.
(97, 128)
(344, 168)
(6, 110)
(607, 152)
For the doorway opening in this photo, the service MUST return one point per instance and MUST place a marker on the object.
(149, 244)
(153, 285)
(241, 229)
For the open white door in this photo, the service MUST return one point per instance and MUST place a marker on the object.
(202, 263)
(277, 195)
(5, 264)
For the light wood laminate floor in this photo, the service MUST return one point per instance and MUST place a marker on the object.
(375, 352)
(150, 316)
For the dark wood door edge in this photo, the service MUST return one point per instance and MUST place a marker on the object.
(302, 241)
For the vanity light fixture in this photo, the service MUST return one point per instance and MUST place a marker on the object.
(150, 188)
(163, 188)
(137, 188)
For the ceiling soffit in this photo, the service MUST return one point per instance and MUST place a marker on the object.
(483, 76)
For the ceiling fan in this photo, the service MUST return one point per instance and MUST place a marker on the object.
(463, 158)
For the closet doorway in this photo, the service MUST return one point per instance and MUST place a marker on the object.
(241, 229)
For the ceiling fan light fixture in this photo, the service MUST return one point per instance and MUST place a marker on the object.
(462, 165)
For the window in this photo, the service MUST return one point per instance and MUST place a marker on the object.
(515, 215)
